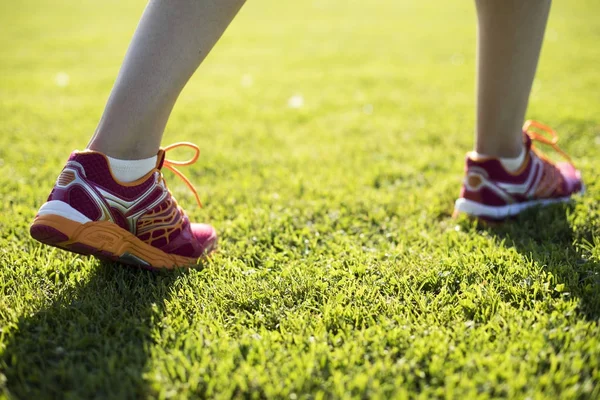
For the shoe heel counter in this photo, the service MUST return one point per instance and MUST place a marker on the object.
(59, 192)
(71, 188)
(478, 188)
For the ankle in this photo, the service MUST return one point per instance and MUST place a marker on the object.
(122, 152)
(122, 147)
(503, 149)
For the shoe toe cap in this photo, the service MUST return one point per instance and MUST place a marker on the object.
(194, 241)
(206, 237)
(572, 177)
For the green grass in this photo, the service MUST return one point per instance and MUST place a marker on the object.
(340, 272)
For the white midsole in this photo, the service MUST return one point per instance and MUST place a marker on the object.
(62, 209)
(498, 212)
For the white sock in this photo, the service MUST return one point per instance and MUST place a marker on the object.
(130, 170)
(509, 164)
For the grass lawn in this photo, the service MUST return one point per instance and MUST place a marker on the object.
(333, 135)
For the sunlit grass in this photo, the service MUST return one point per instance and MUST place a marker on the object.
(332, 135)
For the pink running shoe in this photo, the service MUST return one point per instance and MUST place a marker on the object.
(139, 223)
(490, 192)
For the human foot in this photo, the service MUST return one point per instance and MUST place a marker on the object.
(139, 223)
(489, 191)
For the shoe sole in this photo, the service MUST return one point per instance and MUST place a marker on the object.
(102, 239)
(498, 213)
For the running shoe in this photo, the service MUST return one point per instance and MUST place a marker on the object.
(490, 192)
(139, 223)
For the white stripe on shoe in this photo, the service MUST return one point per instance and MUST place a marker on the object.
(476, 209)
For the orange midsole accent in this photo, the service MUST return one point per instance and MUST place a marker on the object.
(107, 236)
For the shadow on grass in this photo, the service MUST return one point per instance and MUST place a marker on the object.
(93, 341)
(547, 237)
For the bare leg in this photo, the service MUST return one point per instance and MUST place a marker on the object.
(172, 39)
(510, 36)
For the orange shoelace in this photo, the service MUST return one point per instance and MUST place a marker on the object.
(545, 135)
(170, 164)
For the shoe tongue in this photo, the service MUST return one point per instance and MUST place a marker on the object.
(160, 159)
